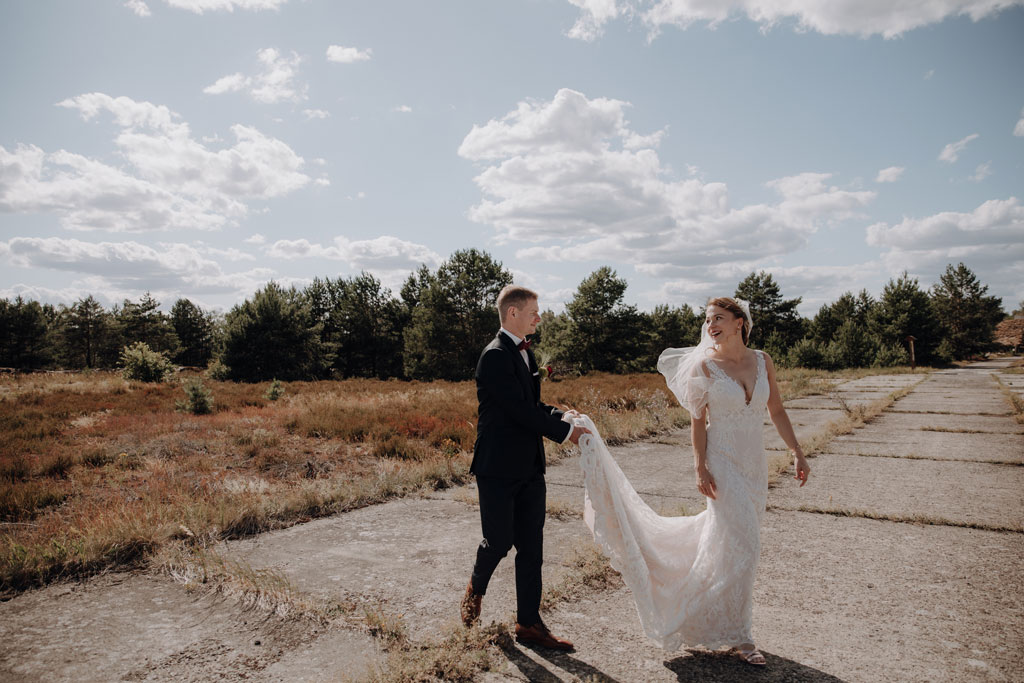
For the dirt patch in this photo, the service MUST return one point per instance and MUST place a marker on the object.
(138, 627)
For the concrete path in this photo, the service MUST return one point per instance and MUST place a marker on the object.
(899, 561)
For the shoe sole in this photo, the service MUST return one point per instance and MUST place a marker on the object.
(560, 648)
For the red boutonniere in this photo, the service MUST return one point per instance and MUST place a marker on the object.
(546, 371)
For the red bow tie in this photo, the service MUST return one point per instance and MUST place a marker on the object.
(523, 345)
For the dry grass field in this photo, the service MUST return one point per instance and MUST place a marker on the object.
(97, 472)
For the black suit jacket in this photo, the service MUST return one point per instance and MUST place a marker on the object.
(512, 420)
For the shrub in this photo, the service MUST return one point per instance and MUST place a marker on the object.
(144, 364)
(890, 355)
(14, 470)
(275, 391)
(807, 353)
(198, 399)
(946, 352)
(850, 348)
(96, 457)
(57, 467)
(398, 447)
(217, 371)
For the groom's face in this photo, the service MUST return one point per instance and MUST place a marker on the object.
(523, 321)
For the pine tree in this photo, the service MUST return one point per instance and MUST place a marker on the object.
(667, 327)
(602, 333)
(24, 334)
(967, 316)
(904, 310)
(453, 315)
(361, 323)
(194, 330)
(88, 335)
(274, 335)
(144, 322)
(775, 318)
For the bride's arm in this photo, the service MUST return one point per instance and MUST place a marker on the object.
(699, 439)
(782, 424)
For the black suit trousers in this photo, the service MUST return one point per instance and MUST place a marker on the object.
(512, 515)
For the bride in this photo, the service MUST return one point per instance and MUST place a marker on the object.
(693, 577)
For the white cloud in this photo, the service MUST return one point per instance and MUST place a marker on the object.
(139, 7)
(384, 253)
(822, 284)
(200, 6)
(567, 169)
(255, 238)
(173, 182)
(231, 253)
(928, 74)
(594, 14)
(839, 17)
(814, 284)
(316, 114)
(1018, 130)
(167, 268)
(403, 108)
(890, 174)
(274, 83)
(989, 239)
(348, 55)
(64, 295)
(951, 152)
(997, 221)
(982, 171)
(231, 83)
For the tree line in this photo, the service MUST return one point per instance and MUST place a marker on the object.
(440, 320)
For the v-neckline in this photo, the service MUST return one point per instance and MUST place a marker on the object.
(753, 388)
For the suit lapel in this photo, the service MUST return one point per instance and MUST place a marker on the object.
(522, 372)
(534, 375)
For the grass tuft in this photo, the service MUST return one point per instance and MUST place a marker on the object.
(892, 517)
(588, 569)
(1012, 398)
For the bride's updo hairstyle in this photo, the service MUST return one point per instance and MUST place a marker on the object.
(731, 305)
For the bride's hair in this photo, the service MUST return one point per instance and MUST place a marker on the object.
(731, 305)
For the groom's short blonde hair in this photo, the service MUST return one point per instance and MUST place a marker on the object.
(513, 295)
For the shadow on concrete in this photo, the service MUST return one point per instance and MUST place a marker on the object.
(701, 665)
(534, 672)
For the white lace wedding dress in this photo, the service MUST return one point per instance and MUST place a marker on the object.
(692, 577)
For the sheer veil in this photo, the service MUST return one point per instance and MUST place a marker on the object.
(684, 368)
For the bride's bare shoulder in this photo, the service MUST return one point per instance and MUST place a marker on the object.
(767, 360)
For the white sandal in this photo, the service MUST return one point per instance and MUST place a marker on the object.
(752, 656)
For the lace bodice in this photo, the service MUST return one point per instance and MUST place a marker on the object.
(692, 577)
(727, 398)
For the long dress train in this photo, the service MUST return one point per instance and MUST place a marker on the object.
(692, 577)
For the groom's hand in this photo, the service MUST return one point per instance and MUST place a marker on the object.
(577, 432)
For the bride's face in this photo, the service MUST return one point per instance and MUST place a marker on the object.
(722, 324)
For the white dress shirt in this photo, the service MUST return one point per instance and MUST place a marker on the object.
(518, 341)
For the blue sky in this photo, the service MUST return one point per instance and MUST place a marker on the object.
(200, 148)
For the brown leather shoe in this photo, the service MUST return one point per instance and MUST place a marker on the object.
(470, 606)
(538, 634)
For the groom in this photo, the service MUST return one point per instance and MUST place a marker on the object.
(508, 461)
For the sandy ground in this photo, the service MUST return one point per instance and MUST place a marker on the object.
(843, 594)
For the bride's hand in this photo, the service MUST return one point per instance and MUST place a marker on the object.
(803, 470)
(706, 483)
